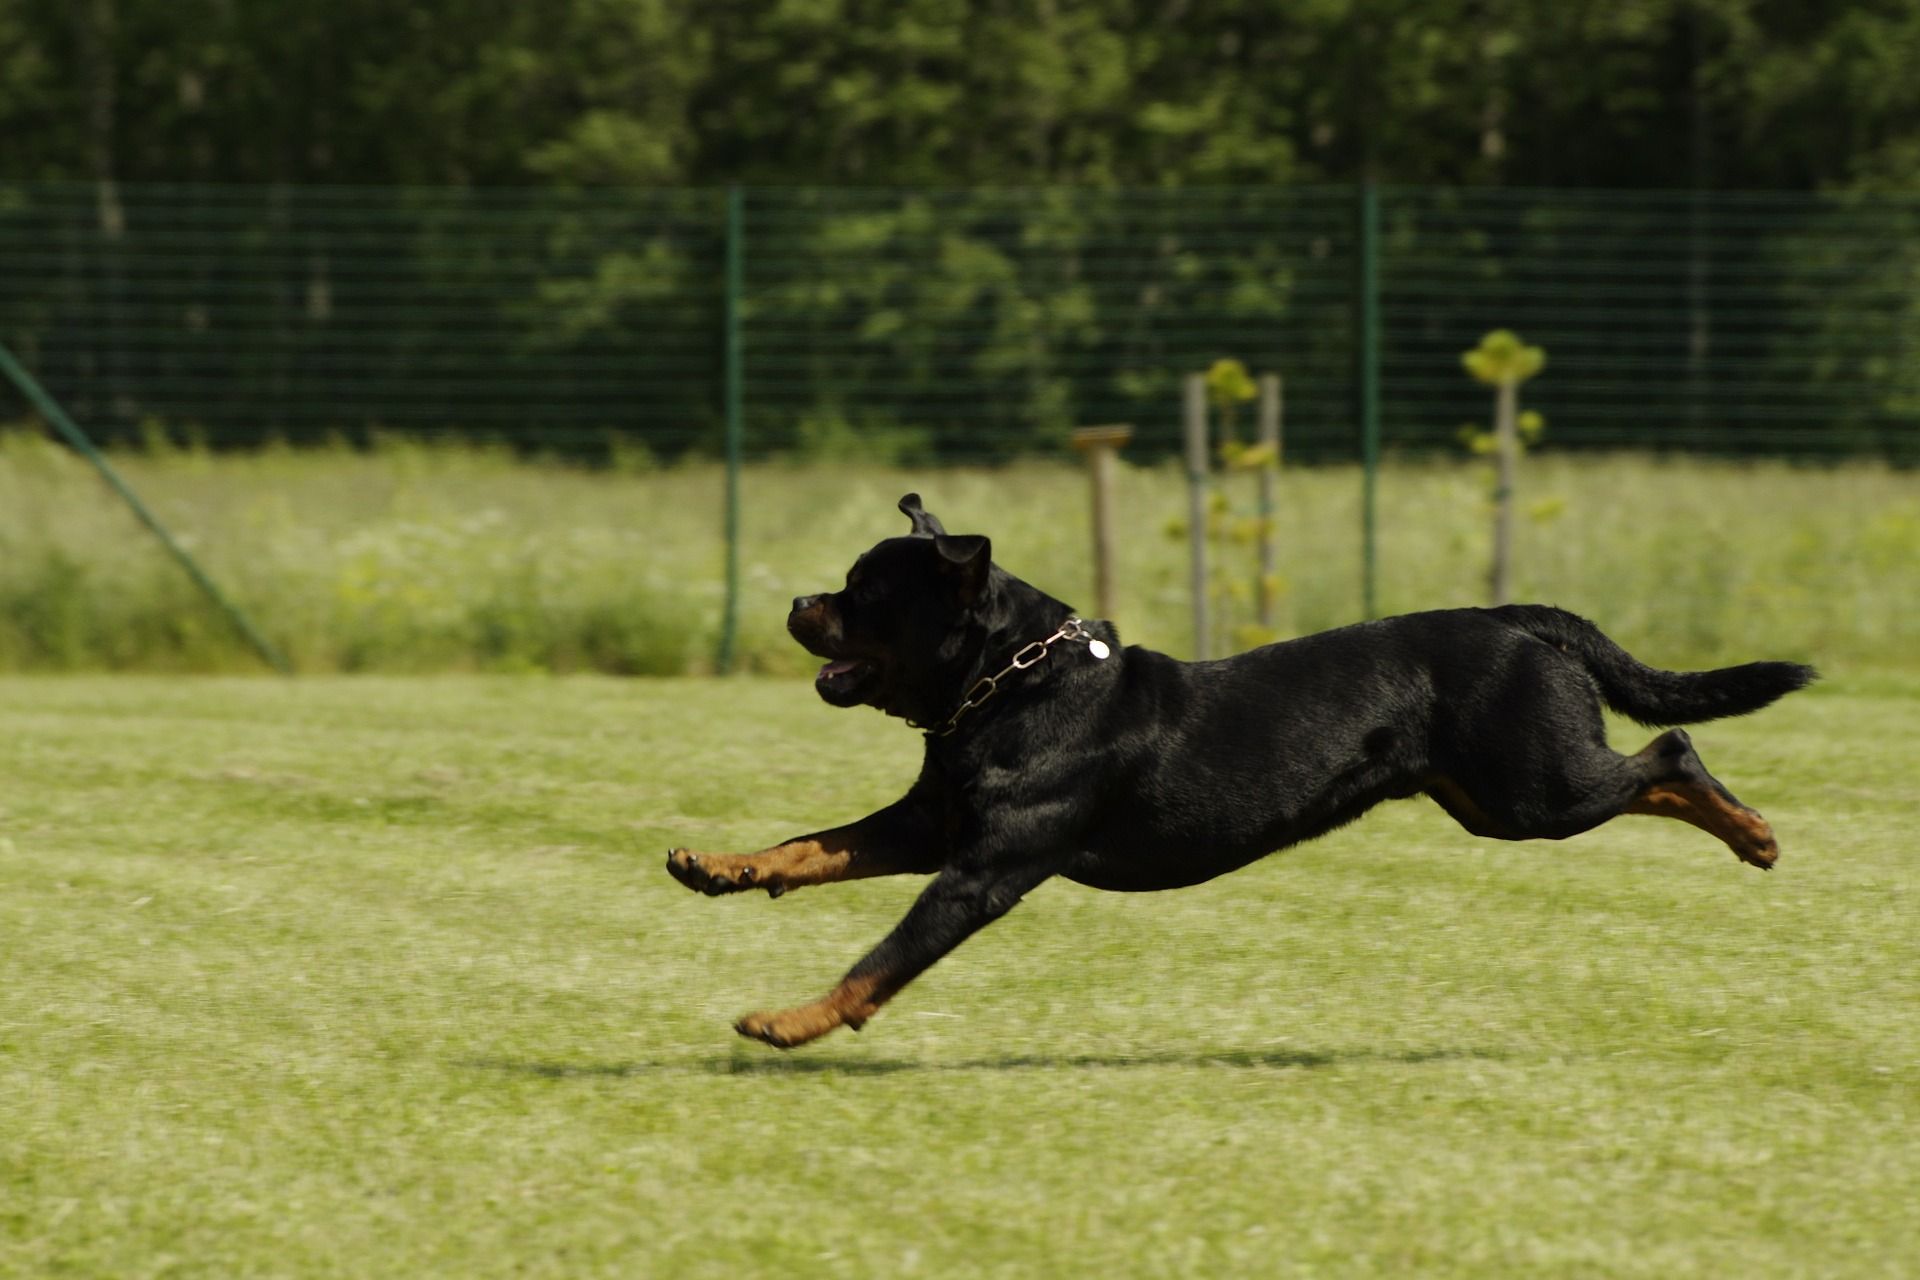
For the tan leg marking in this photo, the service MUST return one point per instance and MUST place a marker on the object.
(1744, 831)
(822, 859)
(848, 1005)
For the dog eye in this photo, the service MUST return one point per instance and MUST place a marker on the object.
(865, 589)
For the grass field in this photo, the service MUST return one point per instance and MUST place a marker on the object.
(425, 559)
(383, 977)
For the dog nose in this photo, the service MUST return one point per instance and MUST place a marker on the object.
(803, 603)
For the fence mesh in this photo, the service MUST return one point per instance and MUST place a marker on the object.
(966, 326)
(550, 319)
(1767, 324)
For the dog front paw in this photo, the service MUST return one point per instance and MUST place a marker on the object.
(716, 873)
(702, 874)
(793, 1027)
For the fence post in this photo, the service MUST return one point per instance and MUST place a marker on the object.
(1195, 422)
(1269, 477)
(1369, 389)
(1506, 435)
(734, 390)
(1102, 446)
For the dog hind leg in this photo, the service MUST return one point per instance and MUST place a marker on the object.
(1680, 787)
(1590, 785)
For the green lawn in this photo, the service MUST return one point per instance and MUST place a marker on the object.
(383, 977)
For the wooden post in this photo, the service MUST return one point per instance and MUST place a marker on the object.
(1195, 424)
(1269, 477)
(1503, 362)
(1506, 431)
(1102, 446)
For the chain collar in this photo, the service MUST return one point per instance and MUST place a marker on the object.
(1072, 630)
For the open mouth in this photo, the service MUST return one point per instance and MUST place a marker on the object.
(847, 682)
(842, 676)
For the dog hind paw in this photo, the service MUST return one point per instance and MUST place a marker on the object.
(1760, 852)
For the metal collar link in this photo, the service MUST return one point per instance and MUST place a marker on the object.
(1072, 629)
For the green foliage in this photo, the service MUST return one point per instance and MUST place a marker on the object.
(1099, 93)
(1249, 457)
(1000, 320)
(1545, 511)
(994, 321)
(824, 436)
(1529, 426)
(435, 558)
(1502, 358)
(1229, 385)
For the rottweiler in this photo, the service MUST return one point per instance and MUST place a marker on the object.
(1052, 751)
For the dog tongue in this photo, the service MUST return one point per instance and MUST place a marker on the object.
(833, 669)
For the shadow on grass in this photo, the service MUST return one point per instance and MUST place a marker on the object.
(1238, 1059)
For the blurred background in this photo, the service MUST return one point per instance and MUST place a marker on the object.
(582, 335)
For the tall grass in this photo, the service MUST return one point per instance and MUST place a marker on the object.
(427, 558)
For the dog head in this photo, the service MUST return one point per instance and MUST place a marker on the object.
(913, 610)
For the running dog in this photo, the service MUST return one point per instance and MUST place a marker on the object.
(1052, 751)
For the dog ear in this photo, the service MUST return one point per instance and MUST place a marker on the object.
(964, 561)
(925, 523)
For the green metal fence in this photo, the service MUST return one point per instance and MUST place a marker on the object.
(930, 326)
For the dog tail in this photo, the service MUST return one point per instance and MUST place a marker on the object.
(1648, 694)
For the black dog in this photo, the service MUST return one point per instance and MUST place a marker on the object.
(1050, 751)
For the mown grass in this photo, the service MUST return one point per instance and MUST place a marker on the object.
(383, 977)
(415, 558)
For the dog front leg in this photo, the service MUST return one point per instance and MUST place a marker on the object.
(958, 904)
(898, 840)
